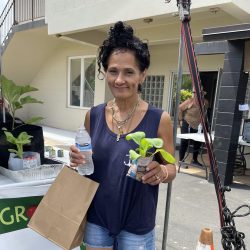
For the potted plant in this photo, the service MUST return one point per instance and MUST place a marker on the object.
(19, 159)
(142, 156)
(15, 97)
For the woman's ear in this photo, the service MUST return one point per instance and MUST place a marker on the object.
(144, 75)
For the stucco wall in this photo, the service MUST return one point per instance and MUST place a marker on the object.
(95, 13)
(52, 81)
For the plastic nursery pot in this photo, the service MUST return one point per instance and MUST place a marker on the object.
(138, 167)
(30, 160)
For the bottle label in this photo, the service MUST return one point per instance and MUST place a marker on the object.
(84, 146)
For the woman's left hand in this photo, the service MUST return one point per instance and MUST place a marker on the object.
(156, 173)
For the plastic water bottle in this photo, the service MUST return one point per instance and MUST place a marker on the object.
(199, 128)
(83, 143)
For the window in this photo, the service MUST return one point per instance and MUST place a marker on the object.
(81, 72)
(152, 90)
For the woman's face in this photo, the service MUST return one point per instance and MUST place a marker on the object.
(123, 74)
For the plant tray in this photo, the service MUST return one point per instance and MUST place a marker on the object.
(38, 173)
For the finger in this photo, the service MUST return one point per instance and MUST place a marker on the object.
(149, 176)
(152, 165)
(72, 165)
(77, 162)
(152, 177)
(153, 168)
(76, 158)
(73, 148)
(154, 180)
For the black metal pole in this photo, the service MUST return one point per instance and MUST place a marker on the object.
(14, 12)
(177, 102)
(184, 12)
(32, 9)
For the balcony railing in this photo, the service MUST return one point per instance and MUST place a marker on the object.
(17, 12)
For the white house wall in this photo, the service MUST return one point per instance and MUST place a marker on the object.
(91, 14)
(169, 32)
(26, 52)
(52, 81)
(40, 59)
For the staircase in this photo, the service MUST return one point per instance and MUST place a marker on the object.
(17, 12)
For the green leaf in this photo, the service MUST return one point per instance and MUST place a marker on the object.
(12, 151)
(34, 120)
(136, 137)
(9, 137)
(17, 105)
(145, 145)
(133, 155)
(166, 156)
(26, 89)
(24, 138)
(13, 95)
(155, 142)
(28, 99)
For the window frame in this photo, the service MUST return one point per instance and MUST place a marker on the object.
(82, 77)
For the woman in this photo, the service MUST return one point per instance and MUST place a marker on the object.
(123, 211)
(189, 120)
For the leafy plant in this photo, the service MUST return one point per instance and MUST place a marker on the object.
(14, 96)
(185, 94)
(22, 139)
(146, 144)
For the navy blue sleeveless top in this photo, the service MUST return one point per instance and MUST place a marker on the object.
(120, 203)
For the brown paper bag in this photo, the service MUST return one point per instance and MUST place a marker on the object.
(61, 214)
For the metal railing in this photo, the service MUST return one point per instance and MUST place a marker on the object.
(17, 12)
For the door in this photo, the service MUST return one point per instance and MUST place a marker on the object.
(209, 83)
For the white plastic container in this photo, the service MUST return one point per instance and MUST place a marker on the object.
(30, 160)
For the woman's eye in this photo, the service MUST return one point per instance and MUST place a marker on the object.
(130, 72)
(112, 72)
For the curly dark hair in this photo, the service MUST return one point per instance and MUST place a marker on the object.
(121, 36)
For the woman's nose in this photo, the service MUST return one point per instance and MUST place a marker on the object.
(120, 78)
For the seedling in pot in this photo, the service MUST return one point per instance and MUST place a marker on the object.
(145, 144)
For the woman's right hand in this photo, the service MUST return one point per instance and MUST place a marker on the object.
(75, 157)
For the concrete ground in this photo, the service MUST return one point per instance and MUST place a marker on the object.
(193, 202)
(193, 207)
